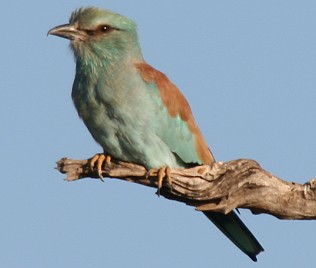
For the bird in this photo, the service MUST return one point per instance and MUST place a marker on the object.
(133, 110)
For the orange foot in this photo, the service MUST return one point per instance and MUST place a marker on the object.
(164, 172)
(97, 161)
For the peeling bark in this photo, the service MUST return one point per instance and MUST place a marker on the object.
(222, 187)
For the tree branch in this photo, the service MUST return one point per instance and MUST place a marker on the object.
(222, 187)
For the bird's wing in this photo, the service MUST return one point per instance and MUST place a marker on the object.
(180, 118)
(177, 105)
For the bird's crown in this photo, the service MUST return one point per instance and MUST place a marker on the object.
(90, 18)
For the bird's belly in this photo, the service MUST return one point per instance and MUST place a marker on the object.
(128, 134)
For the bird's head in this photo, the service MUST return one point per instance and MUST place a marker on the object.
(99, 34)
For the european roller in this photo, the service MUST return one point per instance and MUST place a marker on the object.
(133, 110)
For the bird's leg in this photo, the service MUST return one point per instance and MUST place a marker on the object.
(162, 173)
(97, 161)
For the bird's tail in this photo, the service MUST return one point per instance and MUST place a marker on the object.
(237, 232)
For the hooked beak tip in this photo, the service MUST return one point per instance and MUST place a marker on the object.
(67, 31)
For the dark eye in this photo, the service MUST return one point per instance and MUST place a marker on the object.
(100, 30)
(105, 28)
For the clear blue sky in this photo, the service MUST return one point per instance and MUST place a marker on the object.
(248, 68)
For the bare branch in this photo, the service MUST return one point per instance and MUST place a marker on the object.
(222, 187)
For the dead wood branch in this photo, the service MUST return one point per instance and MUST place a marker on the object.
(223, 187)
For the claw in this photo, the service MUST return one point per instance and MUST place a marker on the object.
(98, 161)
(162, 173)
(93, 160)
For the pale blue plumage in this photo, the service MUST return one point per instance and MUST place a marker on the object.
(120, 119)
(132, 110)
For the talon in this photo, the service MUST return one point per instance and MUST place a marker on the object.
(100, 162)
(97, 162)
(168, 175)
(162, 173)
(93, 160)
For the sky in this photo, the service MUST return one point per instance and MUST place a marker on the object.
(248, 69)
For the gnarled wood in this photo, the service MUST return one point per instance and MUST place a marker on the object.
(222, 187)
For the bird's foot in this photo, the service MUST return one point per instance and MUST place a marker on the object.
(97, 162)
(164, 172)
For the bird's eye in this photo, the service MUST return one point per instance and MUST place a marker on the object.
(105, 28)
(100, 30)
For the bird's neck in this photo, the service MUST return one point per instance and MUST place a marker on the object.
(95, 69)
(108, 59)
(108, 71)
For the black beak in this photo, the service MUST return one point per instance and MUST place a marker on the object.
(67, 31)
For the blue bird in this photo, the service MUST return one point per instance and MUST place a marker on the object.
(134, 111)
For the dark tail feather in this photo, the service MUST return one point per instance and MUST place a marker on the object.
(237, 232)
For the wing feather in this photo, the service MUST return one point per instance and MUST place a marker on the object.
(178, 108)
